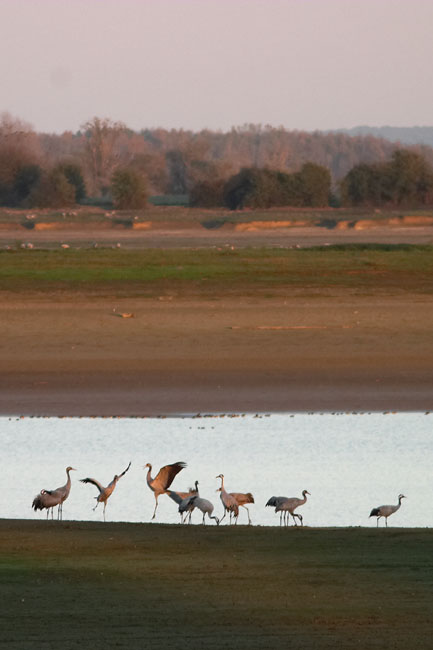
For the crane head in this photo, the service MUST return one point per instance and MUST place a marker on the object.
(148, 465)
(401, 496)
(71, 469)
(220, 476)
(219, 489)
(304, 492)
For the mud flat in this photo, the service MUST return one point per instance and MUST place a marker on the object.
(72, 355)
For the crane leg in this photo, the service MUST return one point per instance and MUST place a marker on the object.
(105, 505)
(203, 519)
(249, 520)
(156, 505)
(225, 512)
(386, 522)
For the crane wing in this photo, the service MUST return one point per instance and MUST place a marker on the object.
(122, 474)
(93, 482)
(275, 501)
(242, 498)
(46, 499)
(175, 496)
(167, 473)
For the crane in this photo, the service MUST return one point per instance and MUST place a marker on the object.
(286, 506)
(162, 481)
(104, 492)
(241, 498)
(386, 511)
(204, 505)
(229, 502)
(49, 499)
(183, 499)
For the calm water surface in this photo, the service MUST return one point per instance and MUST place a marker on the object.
(349, 463)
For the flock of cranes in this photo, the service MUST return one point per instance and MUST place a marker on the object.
(191, 500)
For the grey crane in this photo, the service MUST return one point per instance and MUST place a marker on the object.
(49, 499)
(241, 498)
(178, 497)
(104, 492)
(386, 511)
(204, 505)
(162, 481)
(183, 499)
(286, 506)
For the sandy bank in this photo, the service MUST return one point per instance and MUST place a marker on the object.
(335, 353)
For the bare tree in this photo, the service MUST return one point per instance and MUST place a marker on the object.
(19, 147)
(102, 137)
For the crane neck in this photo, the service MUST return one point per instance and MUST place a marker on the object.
(148, 476)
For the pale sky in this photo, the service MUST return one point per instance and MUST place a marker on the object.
(193, 64)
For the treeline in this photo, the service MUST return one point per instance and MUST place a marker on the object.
(265, 188)
(247, 166)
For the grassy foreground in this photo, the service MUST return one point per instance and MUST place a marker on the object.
(208, 271)
(82, 585)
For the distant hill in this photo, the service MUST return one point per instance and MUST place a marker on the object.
(407, 135)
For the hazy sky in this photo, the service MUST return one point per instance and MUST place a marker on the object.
(303, 64)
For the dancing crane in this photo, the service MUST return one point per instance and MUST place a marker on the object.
(104, 492)
(241, 498)
(386, 511)
(286, 506)
(49, 499)
(162, 481)
(183, 499)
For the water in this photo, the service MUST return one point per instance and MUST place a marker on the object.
(349, 464)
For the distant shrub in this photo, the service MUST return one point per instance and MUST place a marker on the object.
(52, 191)
(128, 189)
(26, 178)
(314, 182)
(265, 188)
(406, 179)
(74, 176)
(207, 194)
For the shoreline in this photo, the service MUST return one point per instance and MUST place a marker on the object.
(75, 395)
